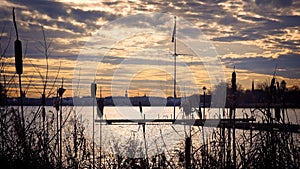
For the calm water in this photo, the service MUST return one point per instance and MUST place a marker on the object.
(128, 140)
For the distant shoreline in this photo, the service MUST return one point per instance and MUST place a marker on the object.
(135, 102)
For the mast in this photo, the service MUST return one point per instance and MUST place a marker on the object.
(100, 116)
(175, 54)
(93, 95)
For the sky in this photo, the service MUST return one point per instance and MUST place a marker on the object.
(126, 45)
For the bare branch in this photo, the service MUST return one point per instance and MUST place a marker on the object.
(52, 89)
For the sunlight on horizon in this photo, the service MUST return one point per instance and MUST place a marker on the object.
(230, 28)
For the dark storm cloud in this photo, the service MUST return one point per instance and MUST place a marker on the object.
(115, 60)
(4, 13)
(252, 18)
(50, 8)
(266, 18)
(272, 24)
(91, 16)
(285, 64)
(57, 10)
(36, 55)
(284, 21)
(58, 21)
(111, 3)
(291, 44)
(231, 38)
(275, 3)
(228, 20)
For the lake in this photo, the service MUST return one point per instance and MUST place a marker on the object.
(128, 140)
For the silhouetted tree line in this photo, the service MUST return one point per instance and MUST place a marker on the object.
(260, 96)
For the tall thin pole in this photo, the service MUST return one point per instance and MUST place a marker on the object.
(93, 95)
(100, 112)
(204, 116)
(233, 137)
(60, 133)
(175, 54)
(204, 89)
(100, 144)
(93, 133)
(57, 125)
(234, 86)
(188, 143)
(60, 91)
(203, 136)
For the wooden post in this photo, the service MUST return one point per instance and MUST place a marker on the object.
(188, 152)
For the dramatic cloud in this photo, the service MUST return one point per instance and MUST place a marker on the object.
(285, 64)
(252, 35)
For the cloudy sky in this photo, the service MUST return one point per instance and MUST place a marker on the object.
(254, 36)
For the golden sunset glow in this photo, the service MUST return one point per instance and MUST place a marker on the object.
(250, 36)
